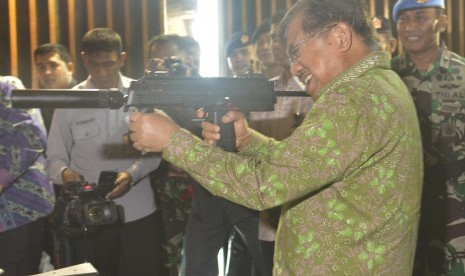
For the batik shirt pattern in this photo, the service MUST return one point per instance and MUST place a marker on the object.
(27, 195)
(349, 177)
(439, 96)
(287, 115)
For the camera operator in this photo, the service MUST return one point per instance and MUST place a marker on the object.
(84, 142)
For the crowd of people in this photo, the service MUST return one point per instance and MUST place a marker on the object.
(363, 176)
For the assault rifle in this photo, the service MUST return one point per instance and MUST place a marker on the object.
(153, 90)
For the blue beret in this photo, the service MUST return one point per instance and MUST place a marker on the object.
(236, 41)
(402, 5)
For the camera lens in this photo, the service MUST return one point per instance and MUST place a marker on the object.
(175, 67)
(100, 212)
(177, 70)
(96, 213)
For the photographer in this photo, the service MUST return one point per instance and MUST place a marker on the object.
(85, 142)
(179, 56)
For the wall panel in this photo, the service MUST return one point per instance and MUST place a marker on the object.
(27, 23)
(33, 35)
(13, 31)
(246, 15)
(5, 67)
(23, 42)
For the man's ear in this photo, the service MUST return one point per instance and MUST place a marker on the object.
(392, 45)
(122, 58)
(343, 36)
(442, 23)
(70, 66)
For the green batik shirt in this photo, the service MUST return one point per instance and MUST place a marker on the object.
(439, 96)
(349, 177)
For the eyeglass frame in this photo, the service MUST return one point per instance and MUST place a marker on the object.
(293, 50)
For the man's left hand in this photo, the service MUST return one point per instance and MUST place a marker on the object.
(150, 132)
(122, 185)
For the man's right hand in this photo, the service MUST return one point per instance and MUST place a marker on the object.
(70, 176)
(211, 132)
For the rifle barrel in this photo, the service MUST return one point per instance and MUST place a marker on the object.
(67, 98)
(85, 98)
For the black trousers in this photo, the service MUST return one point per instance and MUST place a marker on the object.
(267, 248)
(204, 240)
(131, 249)
(21, 249)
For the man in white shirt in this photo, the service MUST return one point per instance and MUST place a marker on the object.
(84, 142)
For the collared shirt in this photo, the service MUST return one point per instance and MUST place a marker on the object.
(89, 141)
(288, 114)
(27, 195)
(349, 177)
(47, 112)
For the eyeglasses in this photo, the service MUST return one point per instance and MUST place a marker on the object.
(293, 51)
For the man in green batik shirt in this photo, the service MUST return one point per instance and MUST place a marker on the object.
(435, 77)
(348, 178)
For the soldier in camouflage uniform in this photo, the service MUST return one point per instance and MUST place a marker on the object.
(174, 193)
(436, 79)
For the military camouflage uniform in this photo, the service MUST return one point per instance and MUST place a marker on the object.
(174, 192)
(439, 95)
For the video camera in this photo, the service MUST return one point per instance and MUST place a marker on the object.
(88, 206)
(172, 66)
(175, 67)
